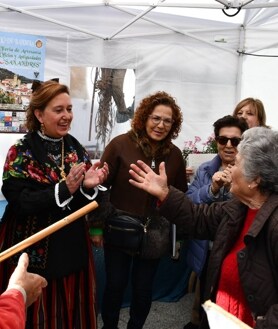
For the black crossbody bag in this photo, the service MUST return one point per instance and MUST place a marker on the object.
(149, 238)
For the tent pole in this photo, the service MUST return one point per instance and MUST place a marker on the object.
(142, 3)
(28, 13)
(240, 63)
(172, 4)
(131, 22)
(92, 105)
(177, 31)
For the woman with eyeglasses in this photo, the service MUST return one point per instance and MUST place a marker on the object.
(212, 184)
(156, 122)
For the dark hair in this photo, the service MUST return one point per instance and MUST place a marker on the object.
(146, 107)
(141, 116)
(42, 95)
(257, 105)
(229, 121)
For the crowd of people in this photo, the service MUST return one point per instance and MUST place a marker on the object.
(231, 206)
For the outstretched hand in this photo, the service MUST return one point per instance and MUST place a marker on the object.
(146, 179)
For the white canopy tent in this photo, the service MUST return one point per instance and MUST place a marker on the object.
(208, 64)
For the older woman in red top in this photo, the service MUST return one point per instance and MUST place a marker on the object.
(242, 271)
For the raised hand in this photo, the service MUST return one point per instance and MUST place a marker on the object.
(227, 179)
(220, 179)
(146, 179)
(96, 175)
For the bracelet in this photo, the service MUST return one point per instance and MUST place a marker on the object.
(95, 231)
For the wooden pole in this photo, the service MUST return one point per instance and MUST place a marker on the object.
(48, 230)
(93, 104)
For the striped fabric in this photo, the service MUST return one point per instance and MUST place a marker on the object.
(66, 303)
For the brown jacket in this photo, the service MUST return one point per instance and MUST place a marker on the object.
(119, 154)
(221, 222)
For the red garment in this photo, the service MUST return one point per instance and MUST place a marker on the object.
(12, 310)
(230, 295)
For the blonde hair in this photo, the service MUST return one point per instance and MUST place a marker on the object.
(257, 105)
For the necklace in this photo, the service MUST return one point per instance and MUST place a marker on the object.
(62, 167)
(55, 140)
(52, 148)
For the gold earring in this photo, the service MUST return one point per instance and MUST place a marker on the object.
(42, 129)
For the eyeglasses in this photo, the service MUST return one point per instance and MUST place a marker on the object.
(156, 120)
(223, 140)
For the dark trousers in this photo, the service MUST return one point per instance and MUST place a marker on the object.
(197, 309)
(119, 266)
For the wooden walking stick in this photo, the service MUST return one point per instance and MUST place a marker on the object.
(47, 231)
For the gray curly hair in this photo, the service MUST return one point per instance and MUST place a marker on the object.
(259, 151)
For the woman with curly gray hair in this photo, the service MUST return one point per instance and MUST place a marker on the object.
(243, 265)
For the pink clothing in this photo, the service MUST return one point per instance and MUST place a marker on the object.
(12, 310)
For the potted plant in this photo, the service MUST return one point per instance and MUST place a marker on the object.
(196, 152)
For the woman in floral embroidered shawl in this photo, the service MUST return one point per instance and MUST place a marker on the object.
(48, 175)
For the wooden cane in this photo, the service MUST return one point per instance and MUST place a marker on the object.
(48, 230)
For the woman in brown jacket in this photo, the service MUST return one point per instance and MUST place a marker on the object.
(157, 121)
(243, 266)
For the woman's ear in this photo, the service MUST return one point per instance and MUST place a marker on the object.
(255, 183)
(38, 115)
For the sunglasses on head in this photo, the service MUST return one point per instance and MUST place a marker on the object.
(223, 140)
